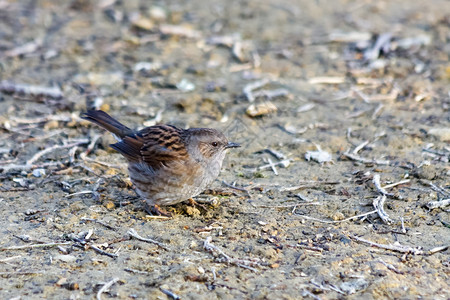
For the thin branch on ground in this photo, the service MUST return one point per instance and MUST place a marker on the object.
(106, 287)
(397, 248)
(366, 160)
(390, 267)
(136, 271)
(439, 249)
(288, 205)
(102, 252)
(438, 204)
(92, 144)
(378, 203)
(41, 153)
(339, 221)
(16, 167)
(436, 188)
(134, 234)
(222, 257)
(307, 185)
(170, 294)
(99, 222)
(388, 186)
(235, 187)
(34, 246)
(20, 273)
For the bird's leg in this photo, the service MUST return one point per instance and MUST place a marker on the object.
(194, 203)
(156, 209)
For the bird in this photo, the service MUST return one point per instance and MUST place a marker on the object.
(167, 164)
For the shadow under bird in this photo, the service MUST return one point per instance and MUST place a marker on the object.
(167, 164)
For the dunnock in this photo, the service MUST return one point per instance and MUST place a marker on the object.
(167, 165)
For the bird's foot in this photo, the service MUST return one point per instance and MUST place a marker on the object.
(156, 210)
(194, 203)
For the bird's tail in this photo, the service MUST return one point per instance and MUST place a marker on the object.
(104, 120)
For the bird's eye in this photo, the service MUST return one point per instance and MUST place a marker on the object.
(215, 144)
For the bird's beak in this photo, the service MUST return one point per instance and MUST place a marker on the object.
(232, 145)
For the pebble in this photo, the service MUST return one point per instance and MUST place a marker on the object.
(38, 173)
(261, 109)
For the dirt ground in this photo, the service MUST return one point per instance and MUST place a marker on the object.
(341, 187)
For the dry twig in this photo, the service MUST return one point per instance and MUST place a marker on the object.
(339, 221)
(106, 287)
(397, 248)
(438, 204)
(34, 246)
(222, 257)
(366, 160)
(102, 252)
(134, 234)
(30, 90)
(170, 294)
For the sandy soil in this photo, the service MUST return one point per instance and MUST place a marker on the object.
(366, 81)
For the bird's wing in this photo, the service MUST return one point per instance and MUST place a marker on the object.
(156, 146)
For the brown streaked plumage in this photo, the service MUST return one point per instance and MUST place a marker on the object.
(167, 164)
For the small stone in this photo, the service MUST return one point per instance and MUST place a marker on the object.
(38, 173)
(354, 286)
(111, 172)
(185, 85)
(143, 23)
(53, 124)
(261, 109)
(157, 13)
(110, 205)
(193, 245)
(61, 281)
(338, 216)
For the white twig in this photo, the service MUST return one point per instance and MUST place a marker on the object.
(7, 168)
(53, 148)
(5, 260)
(358, 148)
(106, 287)
(34, 246)
(31, 90)
(272, 166)
(378, 203)
(397, 183)
(439, 249)
(366, 160)
(438, 204)
(398, 248)
(249, 88)
(170, 294)
(339, 221)
(389, 266)
(377, 183)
